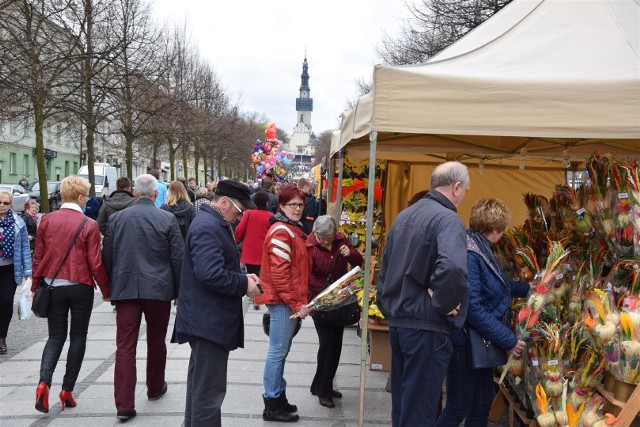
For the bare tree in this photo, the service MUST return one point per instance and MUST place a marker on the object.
(434, 25)
(37, 53)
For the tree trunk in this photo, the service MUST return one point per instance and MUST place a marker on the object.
(185, 153)
(89, 104)
(172, 159)
(196, 161)
(42, 173)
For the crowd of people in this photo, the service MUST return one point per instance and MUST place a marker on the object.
(206, 248)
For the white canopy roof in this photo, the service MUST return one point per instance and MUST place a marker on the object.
(543, 75)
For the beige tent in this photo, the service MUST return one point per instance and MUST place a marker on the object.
(539, 85)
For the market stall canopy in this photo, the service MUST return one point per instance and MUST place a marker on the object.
(541, 78)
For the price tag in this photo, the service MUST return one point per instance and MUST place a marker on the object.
(580, 211)
(559, 276)
(534, 362)
(567, 266)
(553, 362)
(623, 195)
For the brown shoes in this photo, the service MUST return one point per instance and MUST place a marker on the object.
(327, 402)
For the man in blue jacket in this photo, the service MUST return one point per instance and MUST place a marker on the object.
(210, 308)
(423, 292)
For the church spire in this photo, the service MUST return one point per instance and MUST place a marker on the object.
(305, 75)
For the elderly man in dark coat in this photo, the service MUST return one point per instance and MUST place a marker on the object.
(210, 310)
(142, 251)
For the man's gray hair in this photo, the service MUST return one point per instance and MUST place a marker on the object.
(146, 185)
(325, 225)
(447, 174)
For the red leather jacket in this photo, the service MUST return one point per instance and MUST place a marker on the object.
(284, 273)
(84, 263)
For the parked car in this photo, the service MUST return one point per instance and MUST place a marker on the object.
(20, 196)
(53, 190)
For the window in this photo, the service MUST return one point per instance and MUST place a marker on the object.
(13, 163)
(25, 165)
(66, 168)
(75, 167)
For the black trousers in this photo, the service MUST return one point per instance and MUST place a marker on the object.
(329, 351)
(77, 299)
(7, 292)
(206, 384)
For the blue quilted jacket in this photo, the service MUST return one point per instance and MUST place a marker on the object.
(490, 294)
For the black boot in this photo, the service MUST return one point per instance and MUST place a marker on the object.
(274, 411)
(288, 406)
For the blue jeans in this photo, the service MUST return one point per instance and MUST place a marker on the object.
(419, 360)
(281, 330)
(469, 392)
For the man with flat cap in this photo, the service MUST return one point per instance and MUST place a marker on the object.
(210, 307)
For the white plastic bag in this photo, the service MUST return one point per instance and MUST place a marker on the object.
(24, 308)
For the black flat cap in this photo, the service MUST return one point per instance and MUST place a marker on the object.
(235, 190)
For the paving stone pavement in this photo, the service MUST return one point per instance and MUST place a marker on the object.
(242, 407)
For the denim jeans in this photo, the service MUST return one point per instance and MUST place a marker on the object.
(469, 392)
(281, 333)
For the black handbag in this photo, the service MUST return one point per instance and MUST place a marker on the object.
(266, 324)
(343, 315)
(40, 303)
(482, 353)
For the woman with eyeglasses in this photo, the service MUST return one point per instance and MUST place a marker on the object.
(330, 251)
(73, 281)
(284, 275)
(15, 261)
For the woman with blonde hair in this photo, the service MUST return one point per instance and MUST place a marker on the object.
(68, 259)
(15, 261)
(179, 204)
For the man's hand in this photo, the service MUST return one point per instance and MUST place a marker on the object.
(252, 286)
(453, 312)
(517, 350)
(304, 312)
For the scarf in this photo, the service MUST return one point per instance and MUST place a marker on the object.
(34, 216)
(482, 246)
(280, 216)
(8, 235)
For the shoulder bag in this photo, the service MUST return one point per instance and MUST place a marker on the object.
(40, 303)
(343, 315)
(481, 352)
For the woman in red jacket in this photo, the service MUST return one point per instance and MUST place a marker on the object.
(284, 276)
(330, 251)
(73, 286)
(252, 230)
(251, 233)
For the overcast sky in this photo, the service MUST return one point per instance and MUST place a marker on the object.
(257, 47)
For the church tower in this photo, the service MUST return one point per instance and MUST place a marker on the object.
(304, 106)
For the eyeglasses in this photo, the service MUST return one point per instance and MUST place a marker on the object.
(240, 211)
(295, 205)
(5, 203)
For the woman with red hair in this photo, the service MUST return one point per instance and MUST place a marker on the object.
(284, 275)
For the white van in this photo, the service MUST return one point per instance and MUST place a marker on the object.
(106, 176)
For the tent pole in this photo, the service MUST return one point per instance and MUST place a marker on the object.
(367, 272)
(330, 172)
(337, 210)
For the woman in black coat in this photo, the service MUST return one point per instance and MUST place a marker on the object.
(30, 217)
(179, 204)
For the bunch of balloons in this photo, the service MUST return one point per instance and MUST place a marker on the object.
(268, 159)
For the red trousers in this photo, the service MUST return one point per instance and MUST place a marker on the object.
(128, 318)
